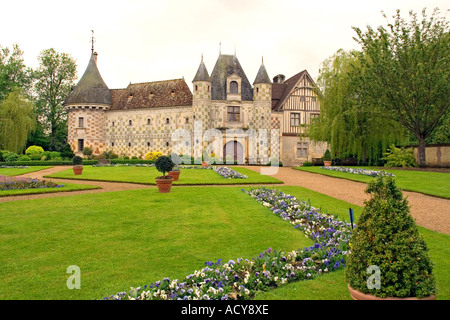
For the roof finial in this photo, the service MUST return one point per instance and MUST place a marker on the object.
(262, 60)
(92, 40)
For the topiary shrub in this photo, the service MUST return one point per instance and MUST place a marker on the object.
(24, 157)
(327, 155)
(34, 150)
(87, 152)
(77, 160)
(164, 164)
(387, 237)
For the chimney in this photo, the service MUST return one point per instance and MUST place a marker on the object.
(279, 78)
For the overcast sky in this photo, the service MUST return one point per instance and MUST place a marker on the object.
(142, 41)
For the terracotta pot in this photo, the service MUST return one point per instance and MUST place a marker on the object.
(327, 163)
(358, 295)
(174, 175)
(77, 169)
(205, 163)
(164, 184)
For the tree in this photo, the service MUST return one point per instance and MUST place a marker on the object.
(407, 72)
(13, 72)
(17, 120)
(54, 78)
(348, 122)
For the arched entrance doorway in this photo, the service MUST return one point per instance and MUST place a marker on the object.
(234, 150)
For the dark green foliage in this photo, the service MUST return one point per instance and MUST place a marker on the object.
(327, 155)
(77, 160)
(307, 164)
(387, 236)
(164, 164)
(67, 152)
(46, 163)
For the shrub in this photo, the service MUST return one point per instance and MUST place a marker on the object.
(400, 157)
(387, 237)
(327, 155)
(67, 152)
(36, 156)
(87, 152)
(307, 164)
(164, 164)
(24, 157)
(10, 156)
(34, 150)
(77, 160)
(153, 155)
(134, 158)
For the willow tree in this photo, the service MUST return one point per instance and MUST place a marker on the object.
(17, 120)
(347, 121)
(407, 72)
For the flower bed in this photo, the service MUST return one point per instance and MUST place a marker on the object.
(240, 279)
(365, 172)
(13, 183)
(229, 173)
(14, 167)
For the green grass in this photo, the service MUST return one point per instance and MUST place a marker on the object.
(146, 175)
(67, 187)
(20, 171)
(431, 183)
(332, 286)
(129, 238)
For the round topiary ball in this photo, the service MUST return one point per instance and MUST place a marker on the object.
(164, 164)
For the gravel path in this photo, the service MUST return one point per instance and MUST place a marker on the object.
(430, 212)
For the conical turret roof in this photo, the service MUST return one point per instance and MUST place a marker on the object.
(202, 73)
(91, 88)
(262, 76)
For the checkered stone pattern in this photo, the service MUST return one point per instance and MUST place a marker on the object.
(262, 92)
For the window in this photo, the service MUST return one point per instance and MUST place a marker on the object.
(313, 116)
(302, 149)
(295, 119)
(233, 114)
(81, 122)
(129, 144)
(112, 125)
(80, 145)
(257, 89)
(167, 120)
(148, 144)
(130, 122)
(196, 87)
(112, 144)
(302, 98)
(167, 144)
(187, 119)
(149, 121)
(233, 87)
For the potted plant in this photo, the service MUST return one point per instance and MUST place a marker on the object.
(327, 158)
(164, 164)
(77, 165)
(389, 258)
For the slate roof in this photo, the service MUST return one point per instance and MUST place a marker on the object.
(227, 65)
(91, 88)
(262, 76)
(168, 93)
(202, 73)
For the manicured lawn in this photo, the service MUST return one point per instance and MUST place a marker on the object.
(431, 183)
(332, 286)
(129, 238)
(19, 171)
(66, 187)
(132, 238)
(146, 175)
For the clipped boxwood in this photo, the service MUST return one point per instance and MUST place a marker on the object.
(388, 238)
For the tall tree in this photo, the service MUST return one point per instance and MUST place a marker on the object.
(347, 121)
(54, 78)
(17, 120)
(13, 72)
(407, 72)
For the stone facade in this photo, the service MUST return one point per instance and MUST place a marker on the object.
(143, 117)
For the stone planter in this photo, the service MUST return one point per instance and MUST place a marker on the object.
(175, 175)
(358, 295)
(164, 184)
(327, 163)
(77, 169)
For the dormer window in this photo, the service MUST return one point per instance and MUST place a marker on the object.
(233, 87)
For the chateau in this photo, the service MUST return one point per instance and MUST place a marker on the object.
(143, 116)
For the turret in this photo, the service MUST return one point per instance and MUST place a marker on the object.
(86, 106)
(201, 95)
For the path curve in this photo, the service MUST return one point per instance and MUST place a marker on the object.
(430, 212)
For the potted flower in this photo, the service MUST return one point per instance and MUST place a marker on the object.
(164, 164)
(77, 165)
(327, 158)
(389, 258)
